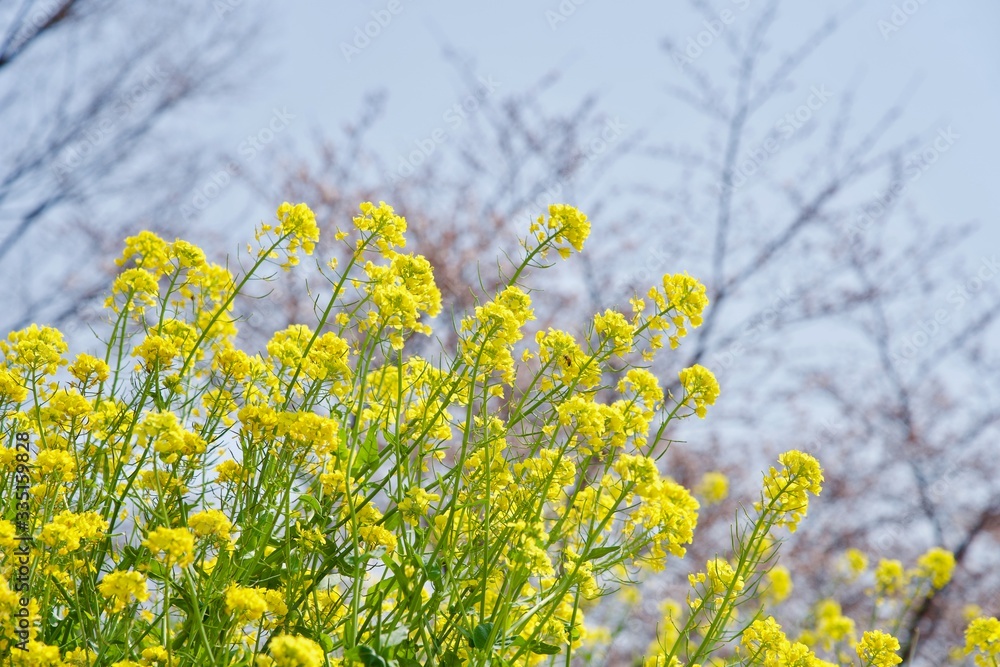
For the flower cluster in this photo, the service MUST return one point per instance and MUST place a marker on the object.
(878, 649)
(982, 637)
(683, 300)
(297, 224)
(566, 229)
(490, 334)
(765, 644)
(700, 388)
(123, 586)
(786, 491)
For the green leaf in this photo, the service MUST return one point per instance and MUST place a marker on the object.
(393, 521)
(367, 656)
(368, 452)
(599, 552)
(326, 641)
(312, 503)
(129, 556)
(541, 648)
(156, 571)
(481, 635)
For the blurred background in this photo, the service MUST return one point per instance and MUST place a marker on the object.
(823, 167)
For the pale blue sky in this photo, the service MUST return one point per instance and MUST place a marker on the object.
(949, 49)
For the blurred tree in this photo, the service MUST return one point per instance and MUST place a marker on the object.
(91, 93)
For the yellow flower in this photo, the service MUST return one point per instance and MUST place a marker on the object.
(831, 625)
(857, 561)
(298, 223)
(168, 438)
(682, 300)
(38, 654)
(139, 289)
(646, 387)
(983, 636)
(785, 491)
(210, 523)
(37, 349)
(188, 255)
(121, 586)
(8, 535)
(700, 388)
(400, 292)
(766, 643)
(779, 581)
(65, 408)
(377, 536)
(719, 577)
(246, 604)
(80, 657)
(56, 462)
(387, 227)
(68, 530)
(764, 638)
(937, 565)
(890, 577)
(416, 503)
(613, 327)
(713, 487)
(156, 656)
(295, 651)
(566, 224)
(308, 429)
(686, 296)
(175, 544)
(495, 328)
(88, 369)
(878, 649)
(12, 388)
(230, 472)
(149, 251)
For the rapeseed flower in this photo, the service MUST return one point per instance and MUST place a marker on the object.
(295, 651)
(786, 490)
(700, 388)
(878, 649)
(171, 546)
(937, 565)
(121, 587)
(982, 636)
